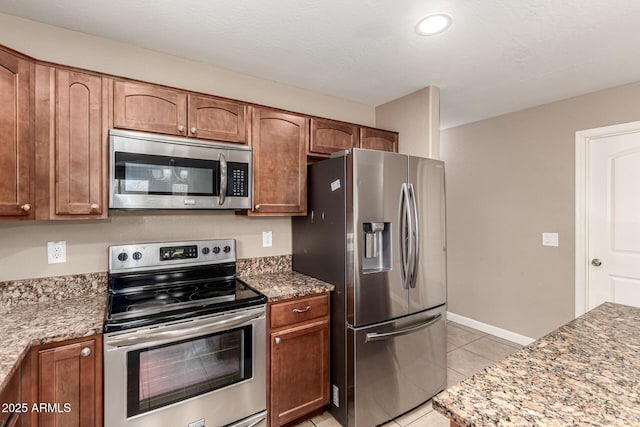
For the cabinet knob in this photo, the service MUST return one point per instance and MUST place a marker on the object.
(180, 128)
(277, 340)
(257, 207)
(85, 352)
(26, 207)
(94, 206)
(194, 130)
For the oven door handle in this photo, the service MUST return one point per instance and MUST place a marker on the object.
(170, 335)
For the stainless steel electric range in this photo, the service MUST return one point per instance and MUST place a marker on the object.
(185, 340)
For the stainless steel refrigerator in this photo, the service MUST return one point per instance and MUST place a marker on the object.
(375, 228)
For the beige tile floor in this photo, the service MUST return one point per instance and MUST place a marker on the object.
(468, 351)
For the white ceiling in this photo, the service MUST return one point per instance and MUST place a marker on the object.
(499, 55)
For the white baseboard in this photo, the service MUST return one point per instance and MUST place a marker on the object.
(489, 329)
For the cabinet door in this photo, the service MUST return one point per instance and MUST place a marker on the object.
(71, 374)
(279, 163)
(376, 139)
(217, 119)
(145, 107)
(9, 415)
(328, 136)
(80, 145)
(299, 379)
(16, 145)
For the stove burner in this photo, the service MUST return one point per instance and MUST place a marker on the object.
(152, 303)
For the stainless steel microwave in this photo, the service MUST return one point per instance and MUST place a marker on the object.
(150, 171)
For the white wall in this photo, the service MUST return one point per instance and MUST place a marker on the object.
(23, 244)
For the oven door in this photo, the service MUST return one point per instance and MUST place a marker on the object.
(207, 371)
(161, 172)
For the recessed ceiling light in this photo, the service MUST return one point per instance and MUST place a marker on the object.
(433, 24)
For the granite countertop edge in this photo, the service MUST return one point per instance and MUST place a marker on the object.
(286, 285)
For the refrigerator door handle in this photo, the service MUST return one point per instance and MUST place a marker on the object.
(376, 336)
(415, 239)
(405, 236)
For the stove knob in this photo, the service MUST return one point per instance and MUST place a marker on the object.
(137, 256)
(216, 249)
(122, 256)
(205, 251)
(227, 249)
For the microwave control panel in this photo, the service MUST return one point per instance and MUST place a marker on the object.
(238, 179)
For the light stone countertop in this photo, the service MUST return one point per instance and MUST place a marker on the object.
(24, 326)
(585, 373)
(286, 285)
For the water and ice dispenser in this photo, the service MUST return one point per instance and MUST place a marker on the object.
(377, 247)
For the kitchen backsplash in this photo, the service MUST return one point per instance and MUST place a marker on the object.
(29, 291)
(263, 265)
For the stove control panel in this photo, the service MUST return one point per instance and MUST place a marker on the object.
(149, 256)
(179, 252)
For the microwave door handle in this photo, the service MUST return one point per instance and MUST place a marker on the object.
(223, 179)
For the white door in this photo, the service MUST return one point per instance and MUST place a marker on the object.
(613, 219)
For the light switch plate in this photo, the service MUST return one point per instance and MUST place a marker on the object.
(267, 239)
(550, 239)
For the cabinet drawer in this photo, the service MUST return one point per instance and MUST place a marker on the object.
(299, 310)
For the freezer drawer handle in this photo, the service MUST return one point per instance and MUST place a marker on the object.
(304, 310)
(374, 336)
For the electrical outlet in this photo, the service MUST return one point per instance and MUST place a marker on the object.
(267, 239)
(56, 252)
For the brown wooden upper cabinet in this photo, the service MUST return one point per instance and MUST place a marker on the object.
(213, 118)
(279, 163)
(140, 106)
(16, 139)
(376, 139)
(72, 140)
(328, 136)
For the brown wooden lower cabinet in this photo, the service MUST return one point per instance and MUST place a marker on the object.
(299, 359)
(64, 382)
(11, 401)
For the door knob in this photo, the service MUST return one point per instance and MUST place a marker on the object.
(596, 262)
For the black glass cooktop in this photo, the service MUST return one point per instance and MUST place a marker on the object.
(147, 298)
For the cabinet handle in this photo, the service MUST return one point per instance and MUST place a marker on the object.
(297, 310)
(257, 207)
(194, 130)
(85, 352)
(180, 128)
(94, 207)
(277, 340)
(26, 207)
